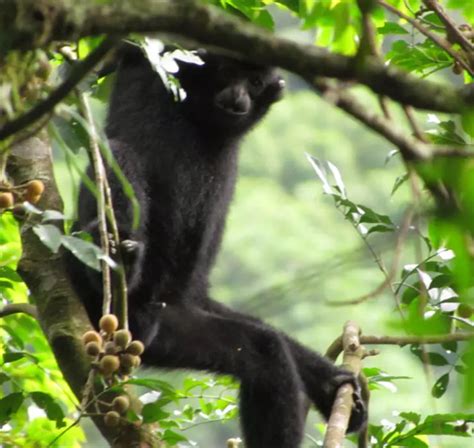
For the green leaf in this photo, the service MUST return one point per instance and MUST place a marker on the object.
(255, 11)
(15, 356)
(441, 281)
(399, 181)
(452, 346)
(172, 437)
(292, 5)
(10, 254)
(445, 134)
(50, 406)
(380, 228)
(12, 357)
(433, 19)
(153, 412)
(49, 235)
(370, 216)
(10, 274)
(412, 442)
(436, 359)
(4, 378)
(153, 384)
(71, 133)
(85, 251)
(391, 28)
(440, 386)
(445, 424)
(411, 292)
(9, 405)
(412, 417)
(424, 58)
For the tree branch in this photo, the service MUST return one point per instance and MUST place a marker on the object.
(64, 20)
(454, 33)
(410, 148)
(342, 406)
(78, 72)
(337, 346)
(15, 308)
(442, 43)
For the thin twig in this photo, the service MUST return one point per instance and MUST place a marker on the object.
(417, 131)
(99, 173)
(390, 275)
(120, 304)
(336, 347)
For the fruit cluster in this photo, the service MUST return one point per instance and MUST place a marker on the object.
(11, 196)
(114, 349)
(116, 355)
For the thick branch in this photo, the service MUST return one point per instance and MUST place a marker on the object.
(29, 23)
(60, 313)
(15, 308)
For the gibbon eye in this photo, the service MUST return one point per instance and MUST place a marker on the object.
(256, 82)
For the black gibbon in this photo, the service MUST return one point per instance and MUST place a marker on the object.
(181, 159)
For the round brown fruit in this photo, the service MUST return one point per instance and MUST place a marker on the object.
(34, 187)
(457, 69)
(6, 200)
(108, 323)
(33, 199)
(92, 348)
(109, 364)
(135, 348)
(122, 338)
(121, 404)
(465, 310)
(112, 418)
(91, 336)
(129, 361)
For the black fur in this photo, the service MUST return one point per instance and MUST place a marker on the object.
(181, 159)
